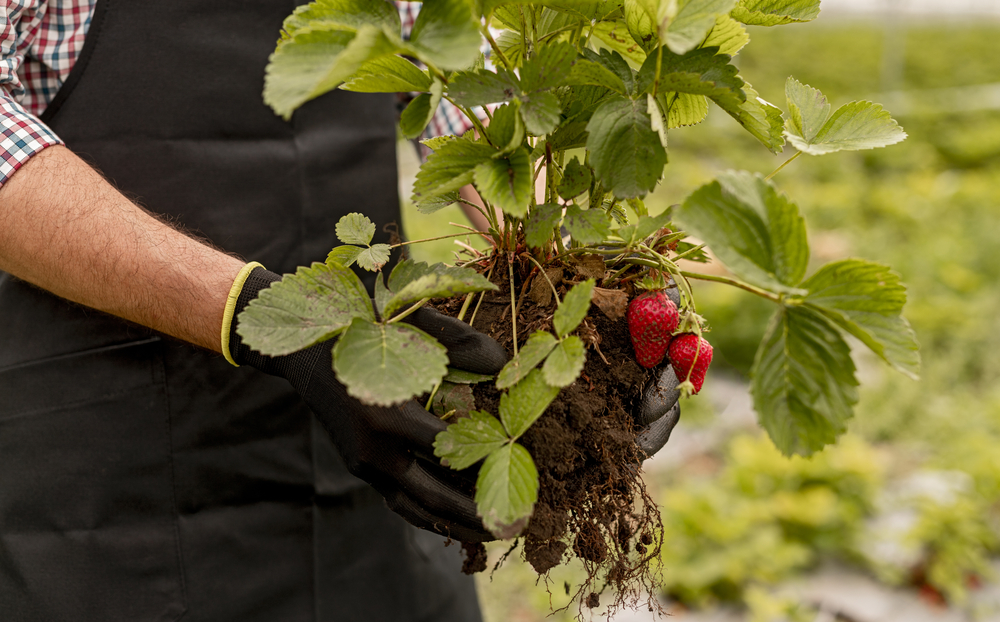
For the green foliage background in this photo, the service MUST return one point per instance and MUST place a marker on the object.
(930, 207)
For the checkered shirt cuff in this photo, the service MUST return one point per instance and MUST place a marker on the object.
(22, 135)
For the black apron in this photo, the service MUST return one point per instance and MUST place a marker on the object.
(142, 479)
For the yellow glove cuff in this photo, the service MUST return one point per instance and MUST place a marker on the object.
(234, 295)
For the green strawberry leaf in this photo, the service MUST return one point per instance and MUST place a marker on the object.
(647, 226)
(356, 229)
(374, 257)
(541, 112)
(506, 129)
(449, 168)
(564, 364)
(507, 182)
(615, 37)
(387, 364)
(808, 109)
(382, 294)
(642, 21)
(460, 376)
(694, 19)
(528, 357)
(858, 125)
(388, 74)
(344, 255)
(728, 35)
(758, 233)
(481, 87)
(760, 118)
(775, 12)
(469, 440)
(575, 180)
(548, 68)
(803, 382)
(347, 15)
(525, 402)
(453, 400)
(420, 111)
(866, 299)
(683, 109)
(506, 490)
(446, 34)
(617, 64)
(313, 62)
(434, 204)
(541, 222)
(590, 72)
(305, 308)
(408, 271)
(587, 226)
(699, 72)
(574, 308)
(420, 281)
(625, 151)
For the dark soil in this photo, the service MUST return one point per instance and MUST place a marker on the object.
(592, 503)
(475, 557)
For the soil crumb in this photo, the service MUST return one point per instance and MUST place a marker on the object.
(475, 557)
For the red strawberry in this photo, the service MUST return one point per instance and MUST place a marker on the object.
(652, 318)
(690, 356)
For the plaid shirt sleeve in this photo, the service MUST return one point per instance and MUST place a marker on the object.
(22, 134)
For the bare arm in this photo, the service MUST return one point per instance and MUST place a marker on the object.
(67, 230)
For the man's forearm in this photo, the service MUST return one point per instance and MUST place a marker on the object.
(67, 230)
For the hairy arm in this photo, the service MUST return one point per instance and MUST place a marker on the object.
(67, 230)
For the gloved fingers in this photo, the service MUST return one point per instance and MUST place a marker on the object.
(409, 422)
(468, 348)
(402, 504)
(441, 494)
(674, 294)
(656, 434)
(659, 398)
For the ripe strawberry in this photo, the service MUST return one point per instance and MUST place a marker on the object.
(690, 356)
(652, 319)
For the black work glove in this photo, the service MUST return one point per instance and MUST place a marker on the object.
(391, 448)
(660, 410)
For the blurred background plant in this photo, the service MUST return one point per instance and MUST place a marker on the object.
(911, 497)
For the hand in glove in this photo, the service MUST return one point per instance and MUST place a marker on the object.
(660, 410)
(391, 448)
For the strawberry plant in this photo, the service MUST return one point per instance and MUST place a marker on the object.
(580, 98)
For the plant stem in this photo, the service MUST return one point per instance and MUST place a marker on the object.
(513, 303)
(443, 237)
(473, 118)
(465, 306)
(482, 294)
(783, 165)
(496, 48)
(689, 252)
(478, 208)
(734, 282)
(437, 74)
(547, 279)
(659, 65)
(412, 308)
(583, 250)
(430, 399)
(552, 35)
